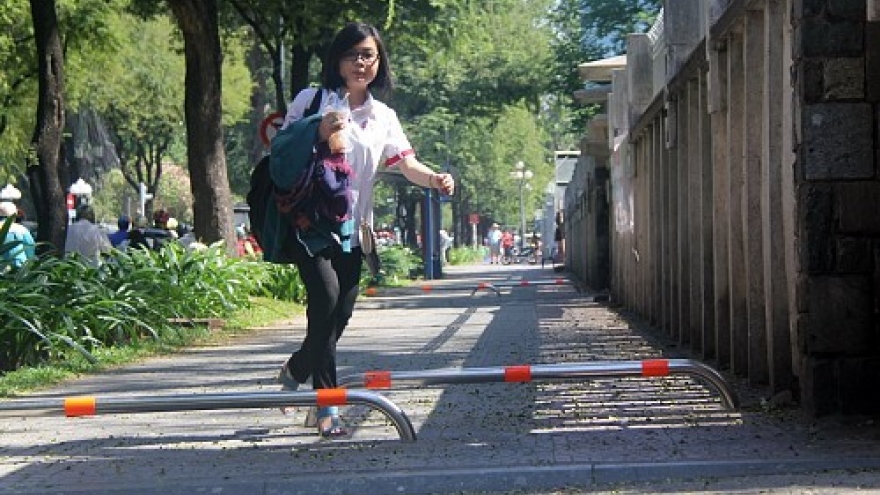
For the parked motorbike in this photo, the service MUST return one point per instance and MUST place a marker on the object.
(524, 255)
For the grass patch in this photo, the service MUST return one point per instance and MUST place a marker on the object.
(262, 312)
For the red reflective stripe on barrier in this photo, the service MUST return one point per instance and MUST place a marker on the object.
(79, 406)
(332, 397)
(482, 285)
(518, 374)
(426, 288)
(377, 379)
(524, 283)
(655, 367)
(560, 281)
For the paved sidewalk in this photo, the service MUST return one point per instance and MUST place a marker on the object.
(500, 438)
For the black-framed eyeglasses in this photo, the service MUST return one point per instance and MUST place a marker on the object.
(368, 57)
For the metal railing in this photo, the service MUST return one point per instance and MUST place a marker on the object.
(496, 286)
(493, 286)
(549, 372)
(91, 406)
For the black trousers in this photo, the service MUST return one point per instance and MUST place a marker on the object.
(331, 279)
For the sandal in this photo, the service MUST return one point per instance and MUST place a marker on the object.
(288, 384)
(329, 423)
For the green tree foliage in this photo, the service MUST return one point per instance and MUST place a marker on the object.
(18, 79)
(139, 90)
(466, 91)
(607, 22)
(298, 31)
(588, 30)
(84, 29)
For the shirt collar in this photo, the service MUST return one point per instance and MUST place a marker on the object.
(368, 103)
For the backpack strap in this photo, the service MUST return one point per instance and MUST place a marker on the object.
(315, 105)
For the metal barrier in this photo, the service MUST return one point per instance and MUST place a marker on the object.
(91, 406)
(493, 286)
(532, 283)
(549, 372)
(496, 286)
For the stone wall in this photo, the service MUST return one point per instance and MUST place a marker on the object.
(745, 194)
(837, 68)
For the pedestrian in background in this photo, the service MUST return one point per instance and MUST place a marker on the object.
(494, 239)
(25, 247)
(85, 238)
(445, 245)
(327, 253)
(507, 243)
(137, 237)
(121, 235)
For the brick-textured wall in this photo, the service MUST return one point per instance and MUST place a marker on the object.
(837, 90)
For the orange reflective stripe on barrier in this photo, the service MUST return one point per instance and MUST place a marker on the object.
(332, 397)
(426, 288)
(655, 367)
(80, 406)
(377, 379)
(518, 374)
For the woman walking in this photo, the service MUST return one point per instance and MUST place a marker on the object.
(328, 254)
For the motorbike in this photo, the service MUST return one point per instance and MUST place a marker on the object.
(516, 255)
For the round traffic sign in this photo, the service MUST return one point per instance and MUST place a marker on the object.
(270, 126)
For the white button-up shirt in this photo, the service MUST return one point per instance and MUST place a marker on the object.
(375, 137)
(87, 239)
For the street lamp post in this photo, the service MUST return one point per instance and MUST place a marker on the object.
(522, 175)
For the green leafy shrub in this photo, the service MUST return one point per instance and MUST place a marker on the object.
(398, 263)
(52, 306)
(466, 254)
(277, 281)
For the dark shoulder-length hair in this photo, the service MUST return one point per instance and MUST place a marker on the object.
(347, 37)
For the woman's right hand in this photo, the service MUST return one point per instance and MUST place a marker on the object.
(331, 122)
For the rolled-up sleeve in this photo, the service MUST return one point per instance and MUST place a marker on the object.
(397, 146)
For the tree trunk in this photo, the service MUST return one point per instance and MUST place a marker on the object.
(259, 102)
(46, 174)
(299, 70)
(212, 209)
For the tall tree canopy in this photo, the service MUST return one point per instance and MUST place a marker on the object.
(480, 85)
(588, 30)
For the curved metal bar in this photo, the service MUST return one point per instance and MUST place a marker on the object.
(530, 283)
(206, 402)
(549, 372)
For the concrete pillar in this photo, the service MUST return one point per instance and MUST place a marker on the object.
(776, 66)
(718, 62)
(693, 219)
(620, 82)
(684, 30)
(664, 195)
(645, 238)
(707, 233)
(672, 201)
(639, 67)
(682, 158)
(656, 221)
(751, 208)
(788, 159)
(735, 130)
